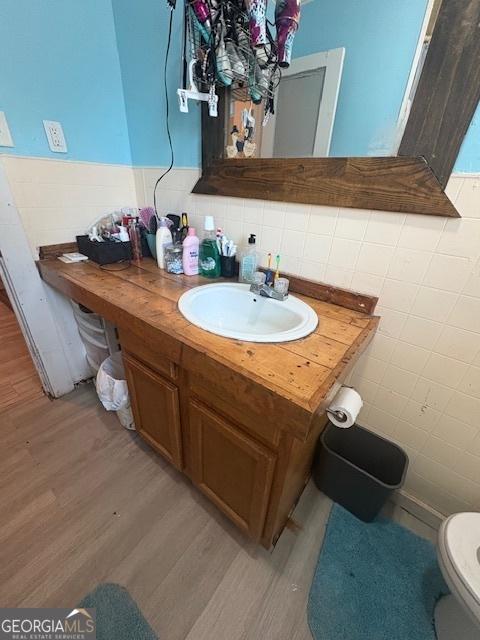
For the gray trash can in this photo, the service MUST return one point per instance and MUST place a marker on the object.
(358, 469)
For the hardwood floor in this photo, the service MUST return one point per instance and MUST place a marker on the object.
(84, 501)
(19, 381)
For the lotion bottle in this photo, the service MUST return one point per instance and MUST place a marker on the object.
(190, 253)
(163, 238)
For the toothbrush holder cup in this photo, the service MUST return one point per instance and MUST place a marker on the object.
(227, 266)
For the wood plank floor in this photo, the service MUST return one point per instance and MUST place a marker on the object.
(83, 501)
(19, 381)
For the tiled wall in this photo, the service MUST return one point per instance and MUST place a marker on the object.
(58, 200)
(420, 378)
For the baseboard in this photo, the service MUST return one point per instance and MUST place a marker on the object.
(419, 509)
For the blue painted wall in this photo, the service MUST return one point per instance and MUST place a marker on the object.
(468, 160)
(380, 38)
(59, 61)
(91, 69)
(142, 28)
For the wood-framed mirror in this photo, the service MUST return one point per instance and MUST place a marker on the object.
(441, 94)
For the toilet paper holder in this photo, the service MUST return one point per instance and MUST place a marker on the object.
(339, 415)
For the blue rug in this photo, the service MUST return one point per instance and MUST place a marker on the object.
(375, 581)
(118, 616)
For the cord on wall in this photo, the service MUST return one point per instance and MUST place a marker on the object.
(167, 110)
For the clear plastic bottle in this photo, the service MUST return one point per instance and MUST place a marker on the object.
(248, 261)
(209, 256)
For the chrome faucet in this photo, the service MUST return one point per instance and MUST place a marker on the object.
(267, 292)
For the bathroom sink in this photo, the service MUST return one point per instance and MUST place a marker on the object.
(231, 310)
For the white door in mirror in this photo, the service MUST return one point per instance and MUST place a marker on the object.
(232, 311)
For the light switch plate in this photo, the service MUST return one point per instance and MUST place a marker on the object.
(5, 135)
(55, 137)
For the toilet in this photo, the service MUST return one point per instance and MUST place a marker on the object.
(457, 616)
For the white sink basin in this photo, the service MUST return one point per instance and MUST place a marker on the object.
(231, 310)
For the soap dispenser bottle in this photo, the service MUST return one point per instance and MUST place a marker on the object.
(248, 261)
(163, 238)
(209, 256)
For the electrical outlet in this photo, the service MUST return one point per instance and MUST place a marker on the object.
(55, 137)
(5, 135)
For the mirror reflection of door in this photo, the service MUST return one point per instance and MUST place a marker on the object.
(306, 103)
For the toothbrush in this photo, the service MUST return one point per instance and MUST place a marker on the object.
(269, 274)
(277, 272)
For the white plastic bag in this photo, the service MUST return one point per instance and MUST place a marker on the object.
(112, 389)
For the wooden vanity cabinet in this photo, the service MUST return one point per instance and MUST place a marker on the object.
(252, 479)
(240, 420)
(229, 467)
(156, 409)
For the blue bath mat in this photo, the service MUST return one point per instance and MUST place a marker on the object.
(118, 616)
(375, 581)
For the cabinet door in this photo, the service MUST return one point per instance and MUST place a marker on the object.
(231, 468)
(156, 409)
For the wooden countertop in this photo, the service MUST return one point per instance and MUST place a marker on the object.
(144, 298)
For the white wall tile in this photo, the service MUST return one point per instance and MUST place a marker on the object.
(317, 248)
(337, 276)
(469, 467)
(344, 253)
(384, 227)
(352, 225)
(297, 217)
(374, 258)
(273, 214)
(399, 380)
(470, 383)
(391, 322)
(421, 232)
(421, 332)
(458, 344)
(444, 370)
(407, 434)
(382, 421)
(293, 243)
(312, 270)
(433, 304)
(440, 451)
(466, 314)
(468, 198)
(322, 220)
(409, 265)
(367, 283)
(447, 272)
(420, 415)
(464, 408)
(60, 199)
(398, 295)
(432, 394)
(381, 347)
(369, 368)
(454, 431)
(460, 238)
(472, 286)
(409, 357)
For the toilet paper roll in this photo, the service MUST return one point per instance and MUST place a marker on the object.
(345, 407)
